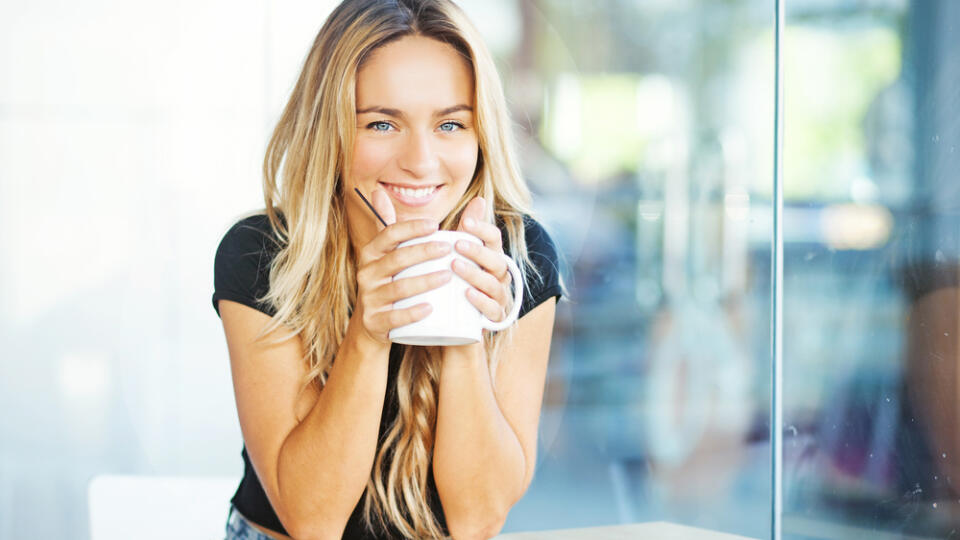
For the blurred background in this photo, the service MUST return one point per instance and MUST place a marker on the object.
(132, 135)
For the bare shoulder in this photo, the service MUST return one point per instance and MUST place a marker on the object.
(275, 368)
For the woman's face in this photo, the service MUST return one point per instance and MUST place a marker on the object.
(416, 137)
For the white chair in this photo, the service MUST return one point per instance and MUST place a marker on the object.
(159, 507)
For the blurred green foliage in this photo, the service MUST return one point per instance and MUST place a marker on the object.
(830, 79)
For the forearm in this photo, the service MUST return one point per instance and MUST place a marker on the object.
(478, 461)
(325, 462)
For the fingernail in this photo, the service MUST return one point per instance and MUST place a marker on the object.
(464, 246)
(469, 222)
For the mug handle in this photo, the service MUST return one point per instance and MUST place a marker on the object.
(517, 299)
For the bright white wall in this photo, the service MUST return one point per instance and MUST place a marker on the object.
(131, 135)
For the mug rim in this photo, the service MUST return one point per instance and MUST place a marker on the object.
(442, 235)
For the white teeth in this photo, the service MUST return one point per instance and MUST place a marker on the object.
(414, 193)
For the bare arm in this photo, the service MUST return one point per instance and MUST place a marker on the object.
(325, 461)
(486, 439)
(313, 471)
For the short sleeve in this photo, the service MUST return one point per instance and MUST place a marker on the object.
(241, 268)
(544, 256)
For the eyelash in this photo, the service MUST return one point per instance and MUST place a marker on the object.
(373, 126)
(457, 124)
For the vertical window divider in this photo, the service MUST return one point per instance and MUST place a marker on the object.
(776, 396)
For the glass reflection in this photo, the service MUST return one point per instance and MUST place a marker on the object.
(649, 152)
(871, 270)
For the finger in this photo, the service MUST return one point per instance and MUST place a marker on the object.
(480, 280)
(384, 206)
(388, 239)
(487, 232)
(474, 211)
(489, 307)
(399, 289)
(489, 259)
(404, 257)
(394, 318)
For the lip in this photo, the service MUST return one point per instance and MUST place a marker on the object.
(411, 201)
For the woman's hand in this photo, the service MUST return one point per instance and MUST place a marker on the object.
(380, 260)
(490, 284)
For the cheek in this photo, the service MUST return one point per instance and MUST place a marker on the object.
(463, 162)
(369, 157)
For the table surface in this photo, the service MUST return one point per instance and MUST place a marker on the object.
(660, 530)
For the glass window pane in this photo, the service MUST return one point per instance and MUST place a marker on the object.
(647, 138)
(871, 270)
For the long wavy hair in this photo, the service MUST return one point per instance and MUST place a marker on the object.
(313, 283)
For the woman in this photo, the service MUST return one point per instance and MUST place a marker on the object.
(345, 434)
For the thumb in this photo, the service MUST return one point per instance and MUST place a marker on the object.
(473, 210)
(382, 204)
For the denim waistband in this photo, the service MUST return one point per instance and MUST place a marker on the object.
(239, 528)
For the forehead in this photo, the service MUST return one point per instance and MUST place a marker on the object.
(412, 72)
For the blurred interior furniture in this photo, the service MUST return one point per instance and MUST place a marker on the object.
(159, 507)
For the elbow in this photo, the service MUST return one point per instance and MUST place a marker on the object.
(309, 518)
(477, 527)
(476, 518)
(314, 529)
(307, 523)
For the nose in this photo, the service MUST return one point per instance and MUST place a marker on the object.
(418, 156)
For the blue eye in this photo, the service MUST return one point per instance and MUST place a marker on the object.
(379, 126)
(450, 126)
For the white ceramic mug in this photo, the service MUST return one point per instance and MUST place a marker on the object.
(454, 320)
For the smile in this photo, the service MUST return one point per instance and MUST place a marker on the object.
(410, 196)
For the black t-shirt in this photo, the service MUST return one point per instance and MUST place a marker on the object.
(241, 274)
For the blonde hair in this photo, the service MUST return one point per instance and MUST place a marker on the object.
(313, 276)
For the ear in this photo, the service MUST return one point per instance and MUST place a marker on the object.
(473, 210)
(381, 202)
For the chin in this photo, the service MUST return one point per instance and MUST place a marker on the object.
(403, 215)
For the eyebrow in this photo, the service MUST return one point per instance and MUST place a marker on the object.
(396, 113)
